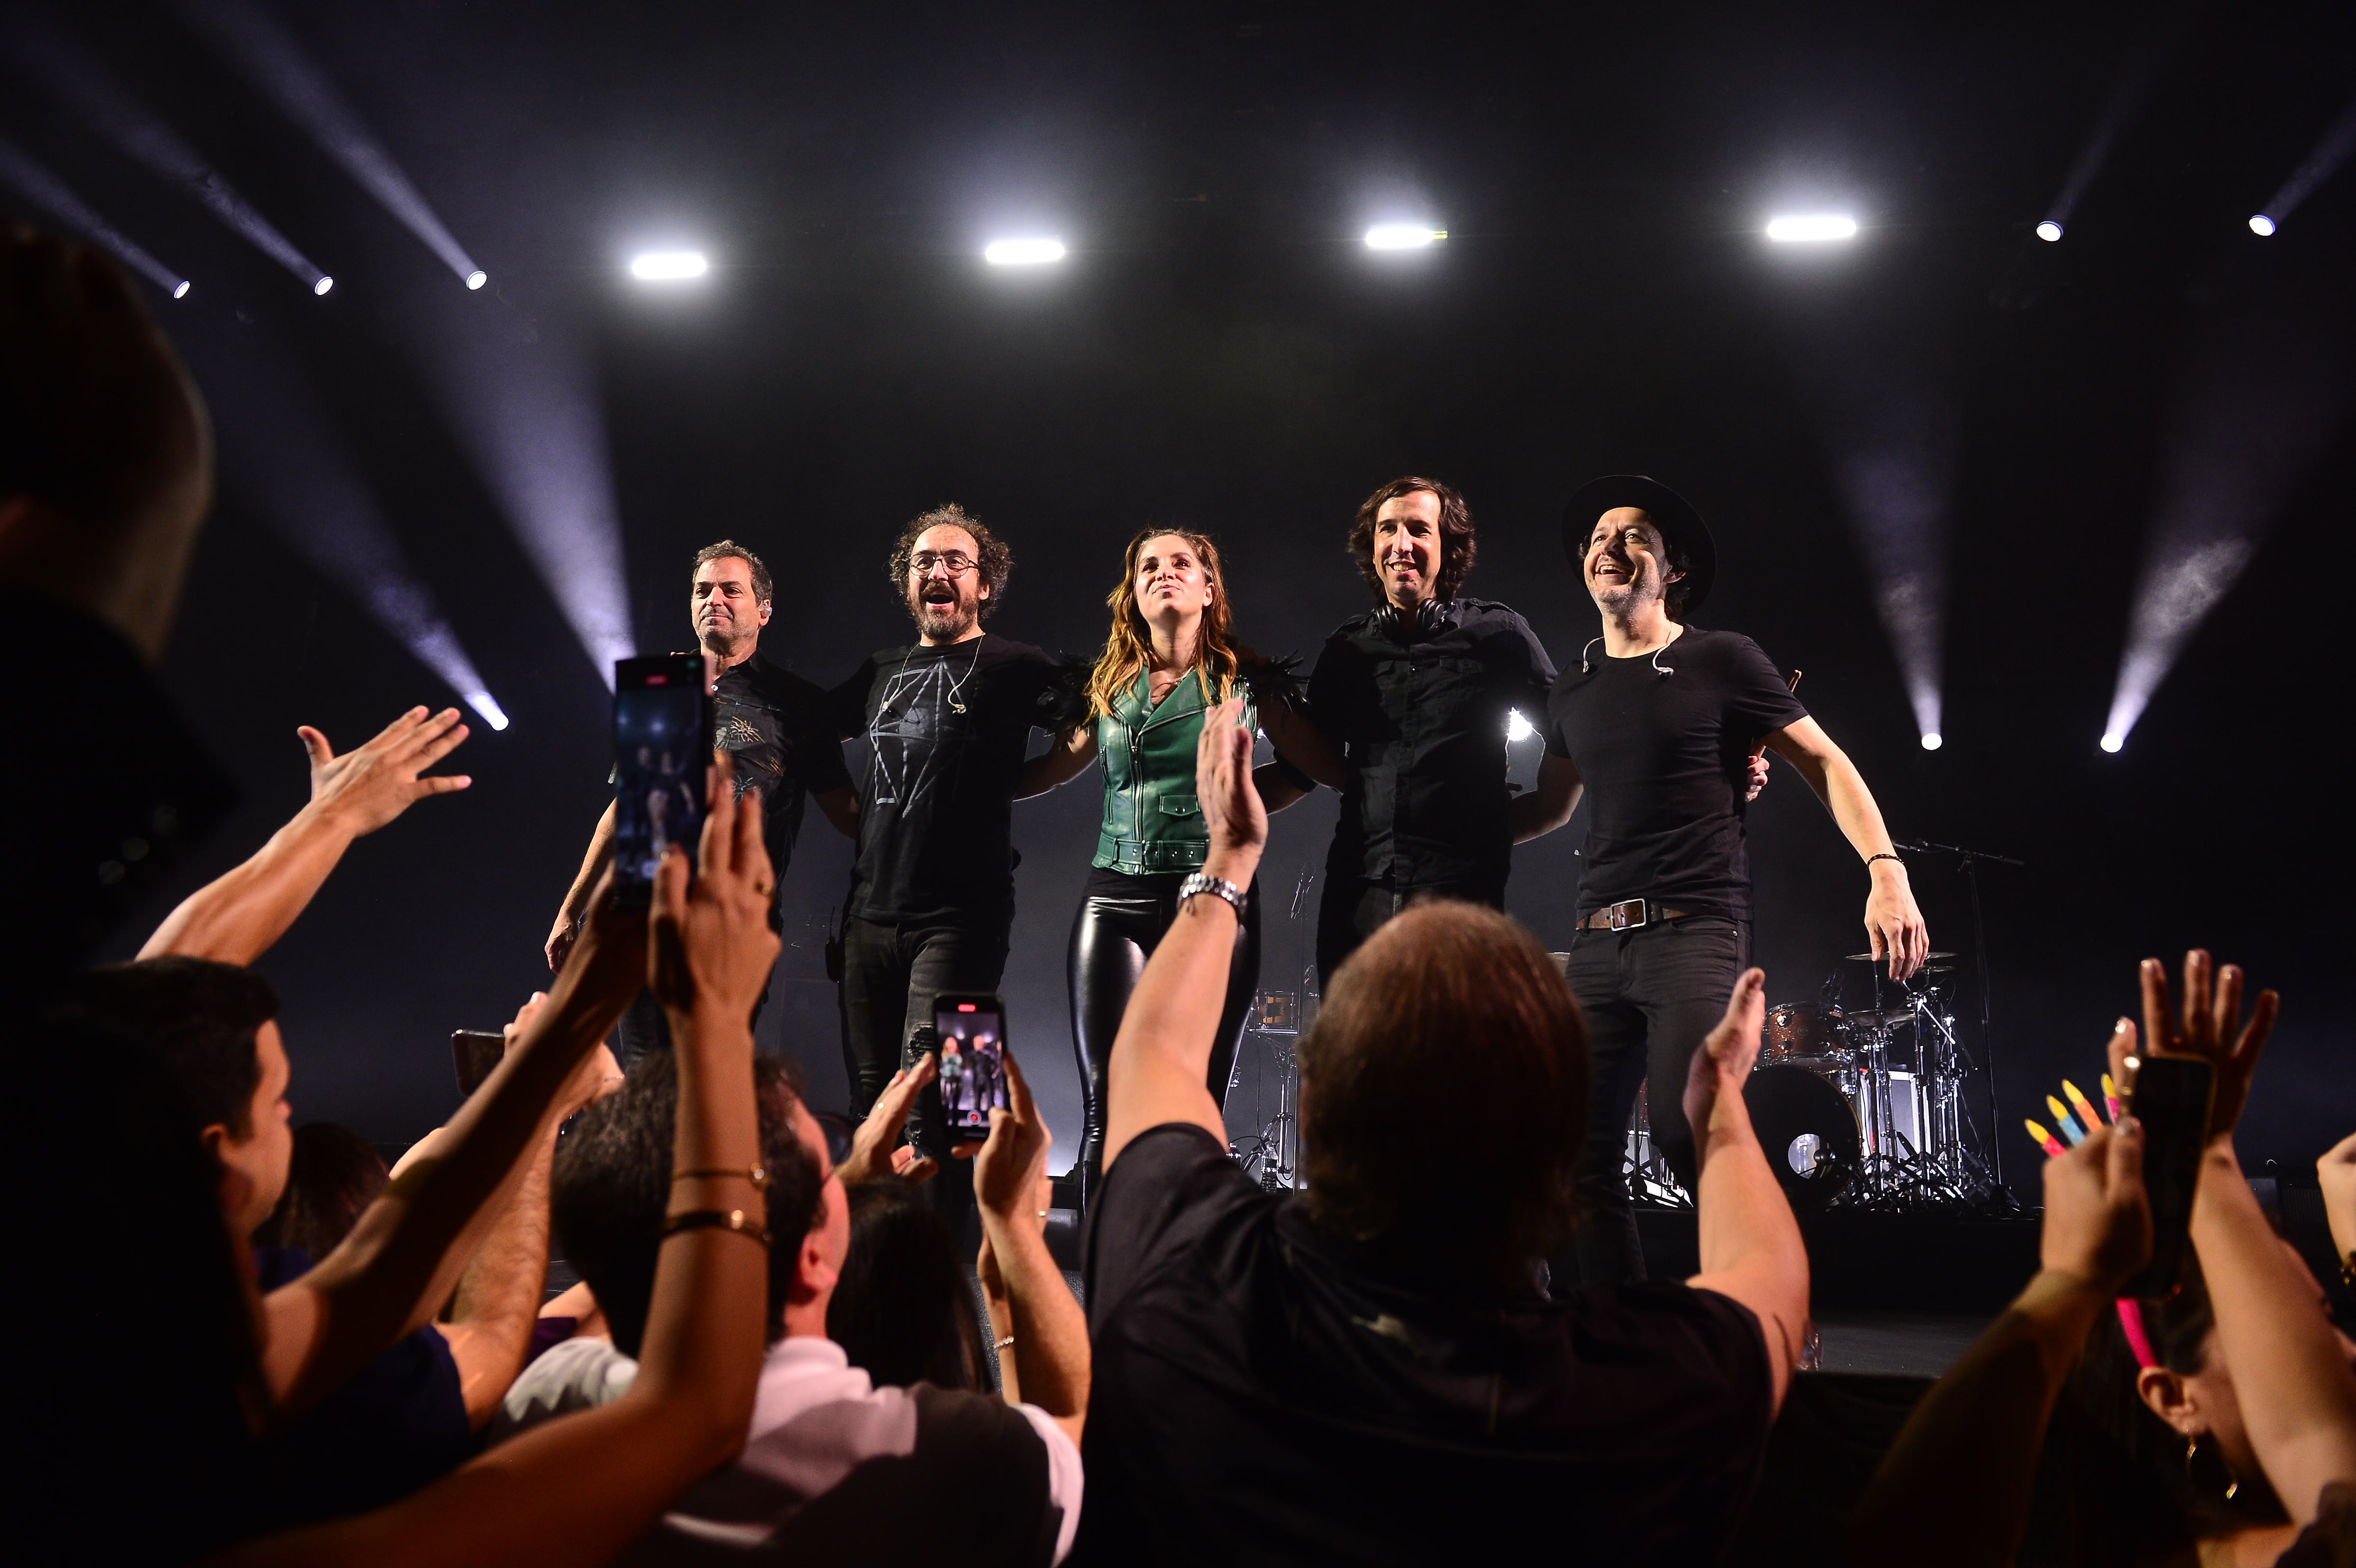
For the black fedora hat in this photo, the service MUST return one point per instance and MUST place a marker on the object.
(1670, 512)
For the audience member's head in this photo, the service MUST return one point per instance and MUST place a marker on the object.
(211, 1026)
(1450, 1029)
(335, 1173)
(612, 1187)
(2167, 1442)
(903, 1310)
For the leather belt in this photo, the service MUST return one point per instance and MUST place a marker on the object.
(1628, 914)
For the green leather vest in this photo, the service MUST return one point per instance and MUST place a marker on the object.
(1152, 821)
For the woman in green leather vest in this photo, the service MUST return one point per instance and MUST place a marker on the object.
(1170, 659)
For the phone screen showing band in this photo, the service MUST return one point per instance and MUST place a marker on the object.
(972, 1030)
(662, 749)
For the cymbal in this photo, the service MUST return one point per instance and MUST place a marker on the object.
(1869, 958)
(1874, 1020)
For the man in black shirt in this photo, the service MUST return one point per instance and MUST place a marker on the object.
(947, 721)
(1365, 1371)
(1407, 709)
(1657, 719)
(770, 721)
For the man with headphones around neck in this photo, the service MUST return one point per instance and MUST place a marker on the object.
(1406, 715)
(1656, 723)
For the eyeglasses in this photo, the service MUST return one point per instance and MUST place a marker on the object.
(956, 560)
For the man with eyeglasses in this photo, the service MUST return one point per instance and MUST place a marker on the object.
(947, 721)
(771, 721)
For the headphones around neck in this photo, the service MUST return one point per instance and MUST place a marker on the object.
(1429, 615)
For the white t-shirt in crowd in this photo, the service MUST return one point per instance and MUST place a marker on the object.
(822, 1434)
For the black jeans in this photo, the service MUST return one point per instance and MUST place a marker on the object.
(892, 970)
(1650, 994)
(1352, 909)
(643, 1029)
(1112, 936)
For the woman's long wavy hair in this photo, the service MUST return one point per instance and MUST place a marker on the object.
(1128, 647)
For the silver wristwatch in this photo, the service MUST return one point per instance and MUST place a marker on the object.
(1201, 882)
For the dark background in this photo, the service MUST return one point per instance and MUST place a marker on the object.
(1220, 351)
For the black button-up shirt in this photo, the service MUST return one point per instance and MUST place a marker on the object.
(1421, 719)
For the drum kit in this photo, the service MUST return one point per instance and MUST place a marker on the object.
(1861, 1109)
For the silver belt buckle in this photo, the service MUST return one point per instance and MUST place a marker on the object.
(1627, 914)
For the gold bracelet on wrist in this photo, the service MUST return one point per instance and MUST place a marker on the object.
(734, 1219)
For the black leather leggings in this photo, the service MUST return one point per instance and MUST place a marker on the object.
(1118, 925)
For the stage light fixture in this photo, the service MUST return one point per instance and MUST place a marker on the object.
(1403, 237)
(2049, 231)
(323, 286)
(1516, 727)
(668, 266)
(484, 703)
(54, 196)
(1023, 252)
(2112, 741)
(478, 278)
(1933, 740)
(2262, 226)
(1810, 229)
(2144, 70)
(2318, 166)
(83, 84)
(251, 40)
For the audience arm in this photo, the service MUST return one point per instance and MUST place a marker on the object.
(1164, 1049)
(872, 1146)
(235, 918)
(403, 1258)
(1066, 759)
(1893, 924)
(1537, 813)
(2335, 1173)
(582, 1488)
(569, 914)
(2291, 1377)
(1957, 1480)
(498, 1296)
(1750, 1247)
(1051, 1332)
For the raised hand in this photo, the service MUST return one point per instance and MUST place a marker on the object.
(2210, 1026)
(2335, 1173)
(1006, 1172)
(1233, 812)
(1723, 1064)
(875, 1148)
(712, 945)
(2097, 1219)
(367, 787)
(1894, 929)
(106, 457)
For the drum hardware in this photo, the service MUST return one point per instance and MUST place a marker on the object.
(1871, 958)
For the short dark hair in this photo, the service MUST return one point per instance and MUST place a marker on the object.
(333, 1174)
(763, 587)
(901, 1311)
(1457, 546)
(611, 1186)
(200, 1017)
(1452, 1016)
(997, 561)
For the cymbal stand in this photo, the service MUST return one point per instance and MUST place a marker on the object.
(1968, 863)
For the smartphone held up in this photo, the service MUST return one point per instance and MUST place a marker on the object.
(662, 754)
(2171, 1096)
(971, 1027)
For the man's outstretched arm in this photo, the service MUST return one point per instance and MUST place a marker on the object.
(1893, 922)
(560, 935)
(235, 918)
(1163, 1050)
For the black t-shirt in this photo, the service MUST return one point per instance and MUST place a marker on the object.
(1422, 720)
(948, 729)
(1665, 759)
(1260, 1391)
(774, 724)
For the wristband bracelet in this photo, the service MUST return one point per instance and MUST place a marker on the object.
(757, 1175)
(1217, 887)
(1885, 855)
(714, 1220)
(1004, 1343)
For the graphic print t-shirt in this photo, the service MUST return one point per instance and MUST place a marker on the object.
(1665, 759)
(948, 730)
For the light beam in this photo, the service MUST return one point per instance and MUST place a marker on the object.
(2127, 95)
(54, 196)
(2318, 166)
(251, 39)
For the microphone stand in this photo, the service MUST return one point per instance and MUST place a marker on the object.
(1966, 861)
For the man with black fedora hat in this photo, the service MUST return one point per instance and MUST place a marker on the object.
(1656, 722)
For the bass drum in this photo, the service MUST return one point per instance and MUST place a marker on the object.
(1807, 1128)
